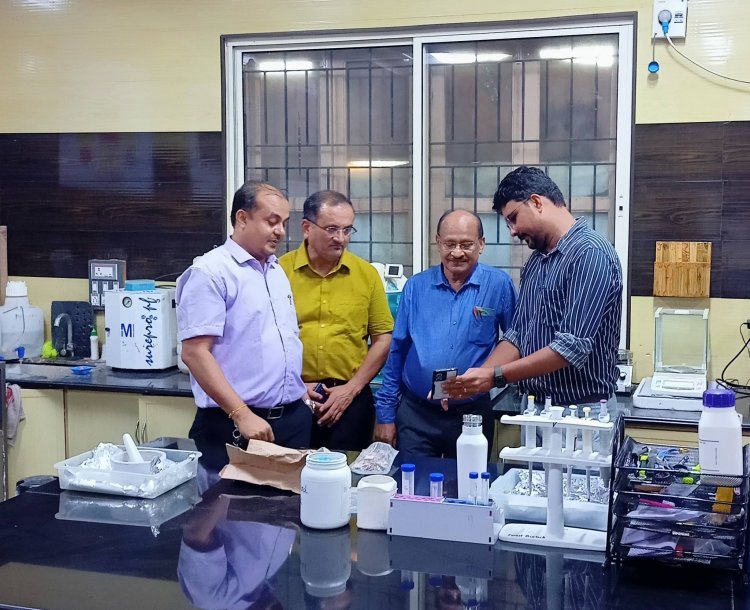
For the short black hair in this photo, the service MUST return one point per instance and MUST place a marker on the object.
(522, 183)
(480, 227)
(312, 205)
(246, 196)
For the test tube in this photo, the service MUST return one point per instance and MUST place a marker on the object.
(407, 479)
(473, 483)
(436, 484)
(484, 491)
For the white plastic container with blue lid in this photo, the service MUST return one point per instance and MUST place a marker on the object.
(325, 490)
(719, 434)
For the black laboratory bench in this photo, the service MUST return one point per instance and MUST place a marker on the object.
(509, 402)
(170, 382)
(242, 546)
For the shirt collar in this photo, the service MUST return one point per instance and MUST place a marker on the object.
(242, 256)
(439, 279)
(301, 259)
(564, 242)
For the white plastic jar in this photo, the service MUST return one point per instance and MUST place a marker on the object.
(325, 491)
(719, 434)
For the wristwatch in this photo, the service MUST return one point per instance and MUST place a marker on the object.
(499, 380)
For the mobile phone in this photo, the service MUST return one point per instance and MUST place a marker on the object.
(438, 377)
(320, 390)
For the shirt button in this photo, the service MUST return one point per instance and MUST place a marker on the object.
(325, 301)
(454, 322)
(322, 325)
(451, 346)
(320, 347)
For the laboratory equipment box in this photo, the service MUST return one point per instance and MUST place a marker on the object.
(73, 476)
(662, 510)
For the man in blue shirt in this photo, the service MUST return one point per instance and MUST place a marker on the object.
(449, 317)
(566, 330)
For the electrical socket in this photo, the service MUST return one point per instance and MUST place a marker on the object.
(678, 21)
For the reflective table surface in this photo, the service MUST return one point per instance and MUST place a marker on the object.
(242, 546)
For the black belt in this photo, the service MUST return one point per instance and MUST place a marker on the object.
(276, 412)
(331, 383)
(454, 406)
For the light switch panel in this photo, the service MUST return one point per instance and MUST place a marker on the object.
(104, 275)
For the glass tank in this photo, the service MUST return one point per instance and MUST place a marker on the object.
(681, 344)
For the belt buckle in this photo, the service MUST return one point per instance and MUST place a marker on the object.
(275, 412)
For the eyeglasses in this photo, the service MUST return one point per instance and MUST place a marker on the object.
(510, 219)
(464, 246)
(345, 231)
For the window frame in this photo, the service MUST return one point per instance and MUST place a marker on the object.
(233, 47)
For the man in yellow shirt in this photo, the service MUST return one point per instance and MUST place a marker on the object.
(340, 302)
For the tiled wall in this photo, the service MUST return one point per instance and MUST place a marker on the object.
(692, 183)
(154, 199)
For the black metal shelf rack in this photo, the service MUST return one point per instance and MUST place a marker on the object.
(662, 510)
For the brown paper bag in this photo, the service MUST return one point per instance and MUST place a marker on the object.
(264, 463)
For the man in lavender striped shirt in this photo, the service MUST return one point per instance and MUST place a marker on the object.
(565, 332)
(239, 333)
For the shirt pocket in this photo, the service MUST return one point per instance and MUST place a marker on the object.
(283, 310)
(483, 330)
(350, 315)
(553, 307)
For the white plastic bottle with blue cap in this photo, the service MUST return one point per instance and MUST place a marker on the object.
(720, 434)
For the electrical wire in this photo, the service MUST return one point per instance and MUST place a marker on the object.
(743, 390)
(174, 274)
(681, 54)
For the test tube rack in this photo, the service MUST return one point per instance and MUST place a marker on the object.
(442, 519)
(554, 533)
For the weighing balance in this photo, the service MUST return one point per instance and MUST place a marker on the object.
(680, 362)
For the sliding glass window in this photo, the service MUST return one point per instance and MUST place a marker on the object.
(412, 123)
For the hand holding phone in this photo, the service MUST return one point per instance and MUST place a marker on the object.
(320, 390)
(438, 377)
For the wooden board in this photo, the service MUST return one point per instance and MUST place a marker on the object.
(682, 269)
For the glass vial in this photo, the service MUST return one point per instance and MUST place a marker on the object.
(484, 489)
(407, 479)
(436, 484)
(473, 484)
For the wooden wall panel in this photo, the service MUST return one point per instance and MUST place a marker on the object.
(154, 199)
(691, 182)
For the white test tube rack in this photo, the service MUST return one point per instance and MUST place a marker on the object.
(554, 532)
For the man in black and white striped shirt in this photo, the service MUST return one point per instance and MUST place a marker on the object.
(566, 329)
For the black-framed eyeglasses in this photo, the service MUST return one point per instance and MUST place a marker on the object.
(345, 231)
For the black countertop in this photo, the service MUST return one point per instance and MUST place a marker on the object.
(243, 546)
(509, 403)
(102, 378)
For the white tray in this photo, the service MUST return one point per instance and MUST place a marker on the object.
(72, 476)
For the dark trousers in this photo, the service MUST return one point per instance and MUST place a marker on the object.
(353, 432)
(424, 429)
(212, 430)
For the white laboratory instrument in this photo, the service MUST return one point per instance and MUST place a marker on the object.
(141, 328)
(21, 324)
(392, 275)
(681, 358)
(555, 533)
